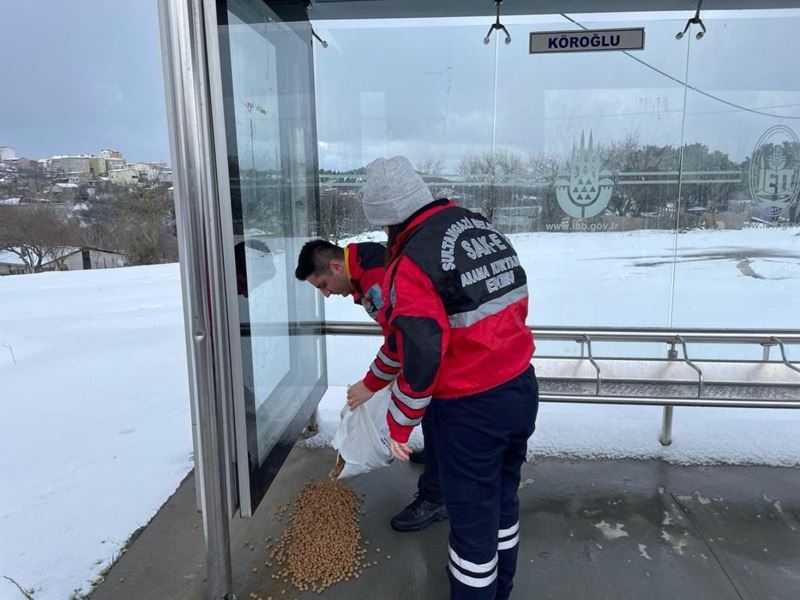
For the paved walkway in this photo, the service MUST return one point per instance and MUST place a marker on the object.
(599, 530)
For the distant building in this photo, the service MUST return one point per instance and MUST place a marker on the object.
(98, 166)
(65, 185)
(7, 153)
(77, 259)
(143, 169)
(75, 178)
(114, 163)
(71, 164)
(92, 258)
(10, 263)
(109, 154)
(63, 192)
(25, 163)
(124, 176)
(146, 171)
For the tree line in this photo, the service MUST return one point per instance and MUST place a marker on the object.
(645, 186)
(139, 222)
(41, 227)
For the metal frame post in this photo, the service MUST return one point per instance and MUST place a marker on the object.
(666, 422)
(183, 39)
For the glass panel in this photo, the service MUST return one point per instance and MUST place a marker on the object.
(593, 142)
(511, 134)
(738, 252)
(268, 95)
(376, 97)
(608, 187)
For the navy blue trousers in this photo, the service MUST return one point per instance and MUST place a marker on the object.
(482, 442)
(428, 483)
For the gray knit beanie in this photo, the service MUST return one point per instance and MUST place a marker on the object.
(393, 191)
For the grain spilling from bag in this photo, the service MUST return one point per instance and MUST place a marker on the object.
(340, 465)
(322, 544)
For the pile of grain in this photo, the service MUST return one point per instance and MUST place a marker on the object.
(322, 543)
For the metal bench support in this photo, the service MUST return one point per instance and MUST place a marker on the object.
(666, 420)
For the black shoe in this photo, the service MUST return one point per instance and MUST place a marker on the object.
(419, 515)
(418, 457)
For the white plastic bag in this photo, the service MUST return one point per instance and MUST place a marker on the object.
(362, 438)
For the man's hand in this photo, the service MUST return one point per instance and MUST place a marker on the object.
(357, 394)
(399, 451)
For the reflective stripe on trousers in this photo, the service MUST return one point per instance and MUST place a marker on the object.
(482, 443)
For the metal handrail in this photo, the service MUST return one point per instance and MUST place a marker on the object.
(646, 334)
(669, 401)
(641, 334)
(630, 334)
(741, 336)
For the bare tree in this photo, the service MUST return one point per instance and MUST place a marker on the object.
(149, 218)
(430, 165)
(624, 155)
(31, 183)
(342, 213)
(138, 222)
(495, 171)
(38, 235)
(545, 167)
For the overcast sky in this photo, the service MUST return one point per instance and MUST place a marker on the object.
(82, 75)
(431, 91)
(78, 76)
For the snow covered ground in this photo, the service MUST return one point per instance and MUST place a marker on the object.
(94, 411)
(624, 279)
(95, 430)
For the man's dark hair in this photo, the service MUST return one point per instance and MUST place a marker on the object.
(315, 258)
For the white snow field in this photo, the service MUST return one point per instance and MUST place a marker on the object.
(95, 427)
(624, 279)
(94, 409)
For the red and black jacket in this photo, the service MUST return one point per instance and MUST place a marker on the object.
(456, 300)
(365, 264)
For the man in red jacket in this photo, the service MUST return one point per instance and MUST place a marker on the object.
(358, 270)
(455, 304)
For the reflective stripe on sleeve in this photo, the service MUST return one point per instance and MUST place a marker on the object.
(380, 374)
(410, 402)
(401, 419)
(389, 362)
